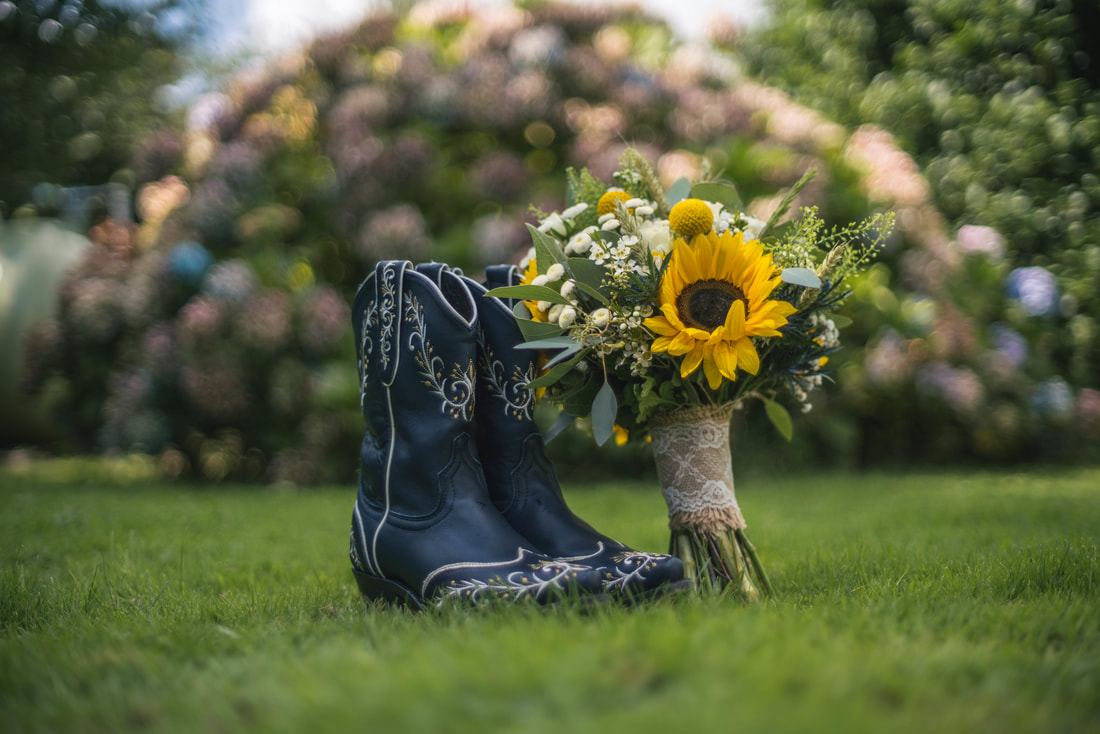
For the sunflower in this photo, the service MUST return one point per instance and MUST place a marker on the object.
(529, 275)
(713, 300)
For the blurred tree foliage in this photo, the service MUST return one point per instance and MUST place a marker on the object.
(997, 101)
(80, 84)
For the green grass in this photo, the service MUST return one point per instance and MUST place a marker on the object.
(905, 603)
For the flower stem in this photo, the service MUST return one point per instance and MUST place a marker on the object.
(754, 559)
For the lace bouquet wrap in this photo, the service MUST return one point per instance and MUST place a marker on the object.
(660, 311)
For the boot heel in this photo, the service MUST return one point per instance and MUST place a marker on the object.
(374, 587)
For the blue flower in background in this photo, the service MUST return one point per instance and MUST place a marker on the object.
(1009, 343)
(1034, 288)
(1053, 399)
(188, 262)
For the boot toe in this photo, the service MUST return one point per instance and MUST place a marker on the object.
(636, 574)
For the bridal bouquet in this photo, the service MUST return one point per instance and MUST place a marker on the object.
(658, 312)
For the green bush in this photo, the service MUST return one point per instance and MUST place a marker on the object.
(998, 103)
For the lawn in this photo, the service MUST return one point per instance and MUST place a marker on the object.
(909, 602)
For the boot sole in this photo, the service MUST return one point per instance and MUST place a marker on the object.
(374, 587)
(634, 598)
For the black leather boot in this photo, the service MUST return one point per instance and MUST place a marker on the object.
(424, 529)
(520, 476)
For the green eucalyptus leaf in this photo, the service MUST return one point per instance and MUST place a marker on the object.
(563, 355)
(529, 293)
(555, 373)
(578, 400)
(678, 191)
(563, 421)
(604, 409)
(780, 418)
(594, 293)
(553, 342)
(535, 330)
(839, 320)
(587, 272)
(801, 276)
(547, 250)
(724, 194)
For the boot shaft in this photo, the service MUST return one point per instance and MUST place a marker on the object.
(417, 346)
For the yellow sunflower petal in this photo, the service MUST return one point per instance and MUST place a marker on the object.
(669, 310)
(735, 320)
(682, 343)
(725, 356)
(747, 356)
(661, 344)
(710, 370)
(660, 325)
(692, 360)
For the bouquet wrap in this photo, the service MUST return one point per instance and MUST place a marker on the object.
(692, 451)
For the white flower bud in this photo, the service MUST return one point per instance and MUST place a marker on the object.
(555, 313)
(543, 305)
(573, 211)
(635, 203)
(569, 289)
(610, 224)
(567, 316)
(643, 211)
(554, 273)
(540, 280)
(553, 224)
(601, 317)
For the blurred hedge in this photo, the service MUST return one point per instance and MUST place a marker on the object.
(214, 333)
(998, 104)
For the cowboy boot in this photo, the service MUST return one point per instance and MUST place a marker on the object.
(424, 529)
(521, 479)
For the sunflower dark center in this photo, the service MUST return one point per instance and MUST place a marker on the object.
(705, 303)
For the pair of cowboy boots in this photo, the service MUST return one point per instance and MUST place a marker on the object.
(457, 498)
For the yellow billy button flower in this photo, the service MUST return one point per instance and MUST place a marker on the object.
(691, 217)
(713, 300)
(609, 201)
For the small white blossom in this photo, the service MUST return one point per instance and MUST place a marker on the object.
(579, 243)
(567, 316)
(540, 280)
(644, 211)
(553, 224)
(569, 289)
(555, 313)
(601, 317)
(543, 305)
(635, 203)
(610, 224)
(555, 272)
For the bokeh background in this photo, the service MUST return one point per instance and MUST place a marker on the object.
(191, 192)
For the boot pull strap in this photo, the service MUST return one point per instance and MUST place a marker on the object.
(389, 284)
(433, 270)
(499, 276)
